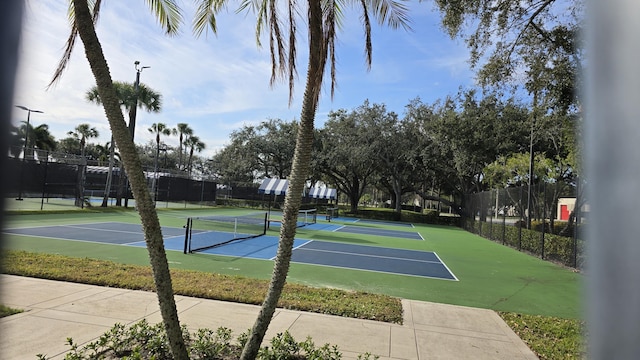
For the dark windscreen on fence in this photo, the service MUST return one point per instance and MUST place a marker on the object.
(547, 221)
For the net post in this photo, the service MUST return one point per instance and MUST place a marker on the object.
(186, 236)
(266, 223)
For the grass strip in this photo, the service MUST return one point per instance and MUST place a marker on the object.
(6, 311)
(352, 304)
(549, 337)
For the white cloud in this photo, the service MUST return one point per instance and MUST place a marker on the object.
(217, 84)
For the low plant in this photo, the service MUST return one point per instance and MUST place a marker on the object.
(145, 341)
(240, 289)
(549, 337)
(6, 311)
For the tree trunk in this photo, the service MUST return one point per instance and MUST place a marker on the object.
(107, 188)
(299, 171)
(146, 209)
(397, 190)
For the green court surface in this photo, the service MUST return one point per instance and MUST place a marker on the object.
(490, 275)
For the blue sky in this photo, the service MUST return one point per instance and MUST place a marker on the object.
(217, 84)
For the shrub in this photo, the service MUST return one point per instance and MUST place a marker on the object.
(145, 341)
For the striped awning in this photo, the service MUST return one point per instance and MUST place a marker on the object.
(274, 186)
(322, 193)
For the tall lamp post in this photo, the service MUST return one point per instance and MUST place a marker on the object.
(132, 117)
(26, 140)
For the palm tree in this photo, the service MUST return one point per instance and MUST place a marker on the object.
(323, 18)
(81, 133)
(147, 99)
(157, 128)
(39, 137)
(82, 24)
(184, 131)
(194, 144)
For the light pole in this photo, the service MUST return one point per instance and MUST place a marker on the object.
(132, 117)
(26, 140)
(134, 109)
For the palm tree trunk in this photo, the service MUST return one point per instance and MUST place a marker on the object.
(146, 209)
(107, 188)
(299, 171)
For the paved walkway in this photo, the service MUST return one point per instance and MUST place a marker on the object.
(58, 310)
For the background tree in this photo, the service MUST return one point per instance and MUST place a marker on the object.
(145, 98)
(81, 133)
(394, 148)
(507, 38)
(345, 155)
(42, 138)
(323, 19)
(183, 131)
(82, 23)
(234, 164)
(274, 145)
(195, 145)
(157, 129)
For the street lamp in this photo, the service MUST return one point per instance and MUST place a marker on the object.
(132, 117)
(26, 136)
(26, 140)
(134, 109)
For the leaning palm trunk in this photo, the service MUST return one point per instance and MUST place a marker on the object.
(146, 209)
(299, 171)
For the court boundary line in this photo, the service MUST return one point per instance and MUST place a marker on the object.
(382, 230)
(377, 271)
(379, 256)
(445, 265)
(455, 278)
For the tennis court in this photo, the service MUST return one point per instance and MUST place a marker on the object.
(491, 275)
(314, 252)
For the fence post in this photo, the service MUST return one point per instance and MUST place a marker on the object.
(575, 224)
(520, 222)
(544, 217)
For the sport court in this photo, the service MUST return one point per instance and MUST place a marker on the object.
(323, 253)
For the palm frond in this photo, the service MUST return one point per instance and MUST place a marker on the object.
(206, 15)
(168, 13)
(392, 12)
(94, 7)
(332, 22)
(276, 44)
(292, 48)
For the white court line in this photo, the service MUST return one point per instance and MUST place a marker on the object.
(376, 256)
(445, 265)
(109, 230)
(295, 248)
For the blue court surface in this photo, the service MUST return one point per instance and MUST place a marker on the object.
(334, 254)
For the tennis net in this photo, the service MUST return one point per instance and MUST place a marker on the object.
(209, 232)
(306, 217)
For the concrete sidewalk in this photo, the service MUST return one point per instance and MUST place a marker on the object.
(58, 310)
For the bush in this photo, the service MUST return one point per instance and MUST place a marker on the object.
(557, 248)
(426, 217)
(145, 341)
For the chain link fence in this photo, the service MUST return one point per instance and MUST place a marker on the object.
(548, 220)
(44, 174)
